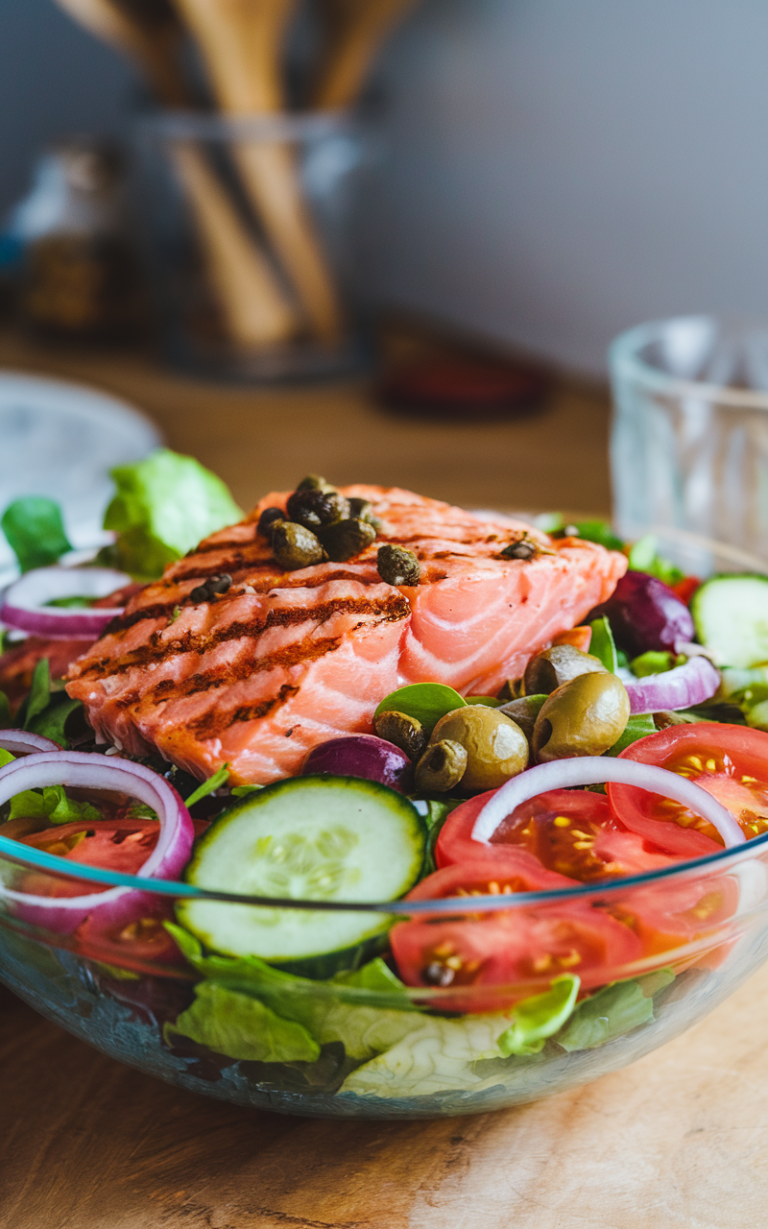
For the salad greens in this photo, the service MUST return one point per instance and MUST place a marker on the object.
(425, 702)
(52, 805)
(164, 506)
(614, 1010)
(34, 529)
(602, 645)
(47, 709)
(242, 1027)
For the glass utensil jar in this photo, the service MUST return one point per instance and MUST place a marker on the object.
(689, 444)
(247, 228)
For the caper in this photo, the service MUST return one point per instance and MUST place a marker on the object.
(314, 482)
(524, 712)
(363, 510)
(347, 538)
(523, 548)
(405, 732)
(294, 546)
(441, 767)
(268, 519)
(398, 566)
(496, 747)
(584, 716)
(314, 508)
(550, 669)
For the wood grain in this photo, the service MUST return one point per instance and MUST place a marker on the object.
(679, 1139)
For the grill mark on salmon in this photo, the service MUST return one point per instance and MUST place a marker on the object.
(393, 607)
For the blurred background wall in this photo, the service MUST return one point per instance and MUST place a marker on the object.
(558, 170)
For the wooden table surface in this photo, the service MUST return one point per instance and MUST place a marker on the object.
(679, 1139)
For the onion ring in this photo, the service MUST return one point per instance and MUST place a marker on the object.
(24, 602)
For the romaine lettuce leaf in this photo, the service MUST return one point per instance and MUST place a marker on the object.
(539, 1017)
(164, 505)
(242, 1028)
(51, 804)
(34, 529)
(612, 1011)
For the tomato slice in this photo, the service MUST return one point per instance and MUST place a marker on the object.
(729, 761)
(138, 945)
(667, 916)
(572, 834)
(495, 959)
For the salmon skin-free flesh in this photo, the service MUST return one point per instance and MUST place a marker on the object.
(258, 675)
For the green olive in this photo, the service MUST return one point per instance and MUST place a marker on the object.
(315, 508)
(295, 547)
(398, 566)
(441, 767)
(585, 716)
(550, 669)
(345, 539)
(496, 747)
(405, 732)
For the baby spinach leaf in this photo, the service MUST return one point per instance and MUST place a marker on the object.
(602, 645)
(425, 702)
(636, 728)
(35, 531)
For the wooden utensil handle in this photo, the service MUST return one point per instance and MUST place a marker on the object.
(359, 27)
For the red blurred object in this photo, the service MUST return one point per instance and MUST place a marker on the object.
(686, 588)
(459, 387)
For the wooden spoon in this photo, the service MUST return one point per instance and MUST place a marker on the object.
(254, 308)
(241, 42)
(357, 30)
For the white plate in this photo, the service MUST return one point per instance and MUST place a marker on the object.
(60, 440)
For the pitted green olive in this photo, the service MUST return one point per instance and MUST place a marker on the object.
(496, 747)
(585, 716)
(405, 732)
(441, 767)
(550, 669)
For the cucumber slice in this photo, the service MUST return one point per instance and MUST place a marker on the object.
(731, 618)
(307, 838)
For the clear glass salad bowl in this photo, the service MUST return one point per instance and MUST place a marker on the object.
(325, 1043)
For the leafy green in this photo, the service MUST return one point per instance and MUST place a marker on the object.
(602, 645)
(242, 791)
(612, 1011)
(34, 529)
(242, 1028)
(539, 1017)
(643, 557)
(655, 661)
(39, 692)
(598, 531)
(53, 805)
(636, 728)
(434, 811)
(487, 701)
(5, 711)
(425, 702)
(5, 757)
(209, 786)
(330, 1011)
(164, 505)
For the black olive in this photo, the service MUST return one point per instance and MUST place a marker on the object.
(345, 539)
(314, 508)
(267, 521)
(294, 546)
(398, 566)
(438, 974)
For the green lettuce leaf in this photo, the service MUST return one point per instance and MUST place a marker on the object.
(242, 1028)
(602, 645)
(643, 557)
(51, 804)
(539, 1017)
(615, 1010)
(164, 506)
(5, 757)
(34, 529)
(329, 1011)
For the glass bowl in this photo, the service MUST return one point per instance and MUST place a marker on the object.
(346, 1044)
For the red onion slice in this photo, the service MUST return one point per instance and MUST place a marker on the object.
(594, 770)
(692, 683)
(21, 742)
(116, 906)
(24, 602)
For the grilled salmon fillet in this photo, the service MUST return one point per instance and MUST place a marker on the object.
(259, 674)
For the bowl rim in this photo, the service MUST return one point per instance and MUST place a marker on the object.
(36, 859)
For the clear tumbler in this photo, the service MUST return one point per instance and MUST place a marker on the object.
(689, 445)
